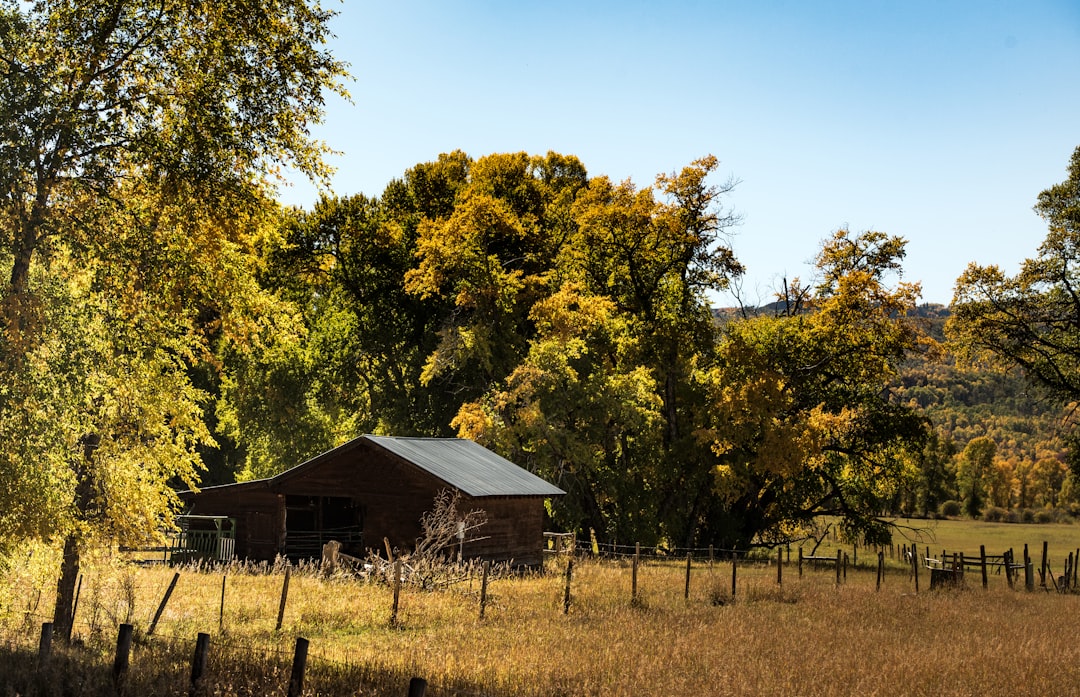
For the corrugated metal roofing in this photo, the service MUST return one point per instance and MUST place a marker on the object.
(467, 466)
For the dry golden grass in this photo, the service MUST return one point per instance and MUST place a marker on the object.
(808, 637)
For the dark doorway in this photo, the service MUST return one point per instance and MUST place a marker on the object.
(312, 521)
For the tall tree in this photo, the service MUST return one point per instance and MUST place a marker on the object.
(1030, 321)
(582, 411)
(603, 400)
(490, 259)
(802, 424)
(135, 138)
(973, 472)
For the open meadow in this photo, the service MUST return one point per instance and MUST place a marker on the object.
(805, 635)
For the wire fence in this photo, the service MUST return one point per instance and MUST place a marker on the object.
(276, 654)
(182, 654)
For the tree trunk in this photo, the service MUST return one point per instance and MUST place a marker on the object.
(69, 565)
(25, 241)
(65, 588)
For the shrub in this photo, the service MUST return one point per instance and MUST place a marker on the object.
(950, 508)
(1047, 515)
(994, 514)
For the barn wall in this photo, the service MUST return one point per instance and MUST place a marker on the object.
(514, 531)
(394, 494)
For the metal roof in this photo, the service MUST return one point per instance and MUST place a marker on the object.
(467, 466)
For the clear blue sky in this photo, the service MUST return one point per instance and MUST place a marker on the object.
(936, 121)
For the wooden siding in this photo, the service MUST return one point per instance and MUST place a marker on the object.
(514, 531)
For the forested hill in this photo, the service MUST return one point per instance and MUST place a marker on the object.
(969, 402)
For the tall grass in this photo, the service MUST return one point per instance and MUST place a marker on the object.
(807, 637)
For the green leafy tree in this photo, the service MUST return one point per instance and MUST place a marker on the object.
(1047, 481)
(1029, 320)
(602, 398)
(580, 410)
(974, 467)
(134, 142)
(490, 259)
(934, 481)
(802, 424)
(353, 360)
(657, 253)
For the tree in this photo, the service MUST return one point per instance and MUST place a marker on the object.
(135, 141)
(657, 253)
(489, 260)
(974, 468)
(601, 398)
(802, 424)
(1030, 321)
(933, 483)
(1047, 480)
(581, 410)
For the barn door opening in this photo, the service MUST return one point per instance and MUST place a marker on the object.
(312, 521)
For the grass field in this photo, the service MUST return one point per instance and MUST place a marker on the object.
(808, 636)
(963, 535)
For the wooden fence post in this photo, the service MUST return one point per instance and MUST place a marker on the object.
(284, 598)
(123, 653)
(198, 663)
(686, 592)
(915, 568)
(1043, 567)
(164, 601)
(982, 563)
(800, 562)
(417, 687)
(633, 572)
(299, 665)
(483, 587)
(221, 612)
(880, 567)
(397, 592)
(566, 592)
(734, 565)
(45, 644)
(1029, 572)
(780, 566)
(1007, 560)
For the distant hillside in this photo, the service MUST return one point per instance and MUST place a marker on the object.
(965, 403)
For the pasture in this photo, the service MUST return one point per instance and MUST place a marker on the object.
(807, 635)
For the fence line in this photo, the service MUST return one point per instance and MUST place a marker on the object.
(300, 657)
(959, 561)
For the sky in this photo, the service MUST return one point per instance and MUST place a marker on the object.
(939, 122)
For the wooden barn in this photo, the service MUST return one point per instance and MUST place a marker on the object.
(376, 487)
